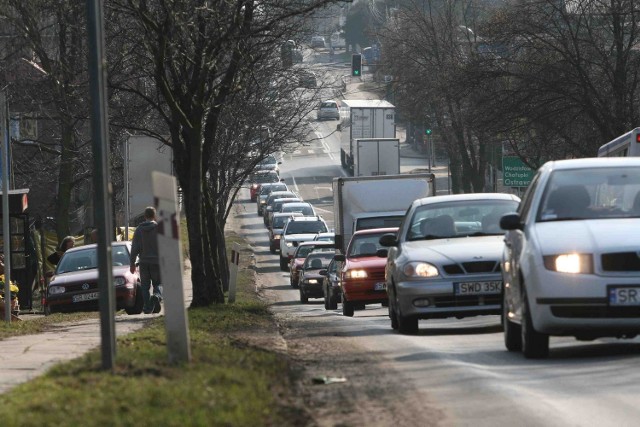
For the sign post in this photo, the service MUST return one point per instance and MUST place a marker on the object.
(233, 271)
(515, 173)
(171, 267)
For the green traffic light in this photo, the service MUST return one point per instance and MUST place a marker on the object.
(427, 131)
(356, 72)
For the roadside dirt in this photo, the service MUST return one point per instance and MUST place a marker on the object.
(372, 395)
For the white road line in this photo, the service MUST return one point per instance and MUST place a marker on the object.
(295, 184)
(322, 210)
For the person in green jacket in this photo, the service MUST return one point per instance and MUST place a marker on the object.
(145, 246)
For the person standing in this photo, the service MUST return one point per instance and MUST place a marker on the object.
(67, 243)
(145, 245)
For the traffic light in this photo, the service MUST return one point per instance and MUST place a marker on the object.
(427, 131)
(356, 65)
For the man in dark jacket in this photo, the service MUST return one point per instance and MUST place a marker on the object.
(145, 245)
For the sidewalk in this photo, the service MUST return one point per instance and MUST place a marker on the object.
(25, 357)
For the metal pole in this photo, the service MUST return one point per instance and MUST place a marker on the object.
(102, 196)
(6, 232)
(126, 189)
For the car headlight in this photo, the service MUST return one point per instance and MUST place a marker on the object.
(356, 274)
(56, 290)
(312, 281)
(420, 269)
(569, 263)
(289, 244)
(263, 202)
(276, 237)
(119, 281)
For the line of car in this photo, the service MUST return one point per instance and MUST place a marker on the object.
(564, 261)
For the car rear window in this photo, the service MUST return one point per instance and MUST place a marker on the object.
(328, 105)
(306, 227)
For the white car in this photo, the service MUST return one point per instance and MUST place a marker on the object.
(328, 110)
(296, 230)
(445, 259)
(571, 262)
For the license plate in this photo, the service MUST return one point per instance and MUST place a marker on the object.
(380, 286)
(624, 295)
(477, 288)
(85, 297)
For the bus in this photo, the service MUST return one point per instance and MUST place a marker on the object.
(627, 145)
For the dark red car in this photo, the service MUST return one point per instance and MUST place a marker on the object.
(362, 274)
(74, 285)
(261, 177)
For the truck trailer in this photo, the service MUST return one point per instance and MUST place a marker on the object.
(376, 156)
(366, 202)
(365, 119)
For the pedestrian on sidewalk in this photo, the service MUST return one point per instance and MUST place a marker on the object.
(67, 243)
(145, 245)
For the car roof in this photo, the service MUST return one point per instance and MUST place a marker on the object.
(376, 231)
(593, 162)
(317, 243)
(466, 197)
(300, 203)
(277, 214)
(95, 245)
(285, 199)
(307, 218)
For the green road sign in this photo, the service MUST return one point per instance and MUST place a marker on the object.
(515, 173)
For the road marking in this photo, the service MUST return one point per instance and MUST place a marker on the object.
(295, 184)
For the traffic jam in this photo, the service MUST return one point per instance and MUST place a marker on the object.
(561, 260)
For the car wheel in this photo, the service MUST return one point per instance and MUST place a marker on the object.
(333, 302)
(303, 298)
(283, 264)
(272, 249)
(512, 332)
(393, 317)
(326, 302)
(47, 310)
(406, 325)
(139, 304)
(535, 345)
(347, 307)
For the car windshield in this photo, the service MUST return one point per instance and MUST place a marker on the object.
(278, 205)
(280, 221)
(459, 219)
(261, 178)
(269, 160)
(317, 261)
(304, 209)
(595, 193)
(306, 227)
(328, 105)
(379, 222)
(86, 259)
(364, 245)
(281, 195)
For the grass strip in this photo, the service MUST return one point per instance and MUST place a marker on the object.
(229, 382)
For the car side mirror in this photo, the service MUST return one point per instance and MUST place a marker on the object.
(511, 222)
(388, 240)
(295, 244)
(323, 272)
(339, 257)
(382, 253)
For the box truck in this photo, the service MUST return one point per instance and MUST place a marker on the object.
(365, 119)
(376, 156)
(375, 201)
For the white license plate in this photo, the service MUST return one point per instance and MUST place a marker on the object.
(624, 295)
(380, 286)
(85, 297)
(477, 288)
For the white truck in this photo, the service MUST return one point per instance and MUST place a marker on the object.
(376, 156)
(375, 201)
(365, 119)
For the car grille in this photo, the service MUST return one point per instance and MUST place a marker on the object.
(467, 301)
(595, 311)
(621, 261)
(472, 267)
(376, 275)
(73, 287)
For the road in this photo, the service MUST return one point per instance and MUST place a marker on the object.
(460, 366)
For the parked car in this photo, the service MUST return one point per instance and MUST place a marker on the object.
(570, 264)
(258, 178)
(298, 229)
(317, 41)
(276, 227)
(331, 287)
(268, 206)
(444, 261)
(328, 110)
(275, 207)
(362, 271)
(265, 191)
(300, 254)
(310, 285)
(74, 285)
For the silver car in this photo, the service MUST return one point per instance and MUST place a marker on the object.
(328, 110)
(445, 260)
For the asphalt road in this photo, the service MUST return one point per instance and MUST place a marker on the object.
(461, 364)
